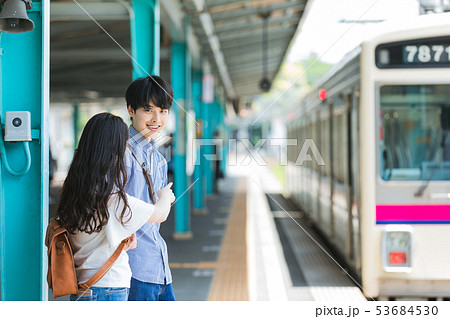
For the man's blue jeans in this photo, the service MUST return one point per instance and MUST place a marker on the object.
(144, 291)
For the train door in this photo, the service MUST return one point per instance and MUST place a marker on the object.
(340, 181)
(355, 181)
(350, 247)
(289, 172)
(318, 169)
(324, 191)
(289, 168)
(296, 167)
(331, 171)
(308, 169)
(302, 168)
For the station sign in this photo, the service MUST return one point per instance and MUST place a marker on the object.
(417, 53)
(208, 88)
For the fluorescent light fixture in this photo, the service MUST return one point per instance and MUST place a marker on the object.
(207, 23)
(214, 43)
(199, 5)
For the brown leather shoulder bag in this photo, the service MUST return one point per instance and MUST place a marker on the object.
(61, 275)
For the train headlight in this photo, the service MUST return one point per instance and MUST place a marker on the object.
(396, 248)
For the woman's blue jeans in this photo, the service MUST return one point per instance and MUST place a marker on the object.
(103, 294)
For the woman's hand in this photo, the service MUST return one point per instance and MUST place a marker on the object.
(162, 206)
(132, 243)
(166, 192)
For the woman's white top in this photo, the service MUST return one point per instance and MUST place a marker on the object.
(91, 251)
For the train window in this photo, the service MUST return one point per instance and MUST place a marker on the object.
(338, 147)
(414, 137)
(325, 145)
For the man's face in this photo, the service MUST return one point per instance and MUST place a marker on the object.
(149, 122)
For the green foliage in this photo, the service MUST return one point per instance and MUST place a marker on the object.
(279, 173)
(315, 68)
(292, 82)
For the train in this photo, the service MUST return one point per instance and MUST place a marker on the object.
(381, 121)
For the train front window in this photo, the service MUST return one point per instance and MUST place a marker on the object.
(414, 137)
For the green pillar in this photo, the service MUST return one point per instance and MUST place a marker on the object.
(208, 111)
(145, 38)
(76, 125)
(200, 186)
(213, 127)
(224, 136)
(24, 68)
(181, 76)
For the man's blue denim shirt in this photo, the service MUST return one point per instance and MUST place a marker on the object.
(149, 261)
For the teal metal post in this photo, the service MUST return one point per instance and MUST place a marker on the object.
(216, 135)
(213, 127)
(223, 135)
(180, 77)
(199, 186)
(76, 127)
(145, 38)
(226, 153)
(24, 68)
(208, 149)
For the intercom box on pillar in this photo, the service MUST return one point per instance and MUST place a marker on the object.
(17, 126)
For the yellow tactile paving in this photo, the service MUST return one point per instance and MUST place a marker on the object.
(199, 265)
(230, 281)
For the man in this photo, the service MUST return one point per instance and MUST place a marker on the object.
(148, 100)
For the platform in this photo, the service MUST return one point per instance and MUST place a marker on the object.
(252, 244)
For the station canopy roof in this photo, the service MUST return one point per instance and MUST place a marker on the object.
(243, 41)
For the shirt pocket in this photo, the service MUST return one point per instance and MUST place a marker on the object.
(138, 168)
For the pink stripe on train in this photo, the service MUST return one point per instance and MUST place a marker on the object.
(413, 213)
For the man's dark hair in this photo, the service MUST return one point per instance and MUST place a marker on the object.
(149, 89)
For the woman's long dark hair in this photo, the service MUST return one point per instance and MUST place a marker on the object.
(97, 170)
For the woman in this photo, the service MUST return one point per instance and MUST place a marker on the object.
(97, 212)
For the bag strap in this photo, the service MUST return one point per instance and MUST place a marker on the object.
(106, 266)
(58, 229)
(148, 178)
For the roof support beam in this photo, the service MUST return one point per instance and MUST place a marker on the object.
(249, 67)
(172, 17)
(247, 41)
(252, 34)
(216, 3)
(258, 24)
(242, 52)
(83, 11)
(250, 56)
(255, 11)
(89, 55)
(208, 28)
